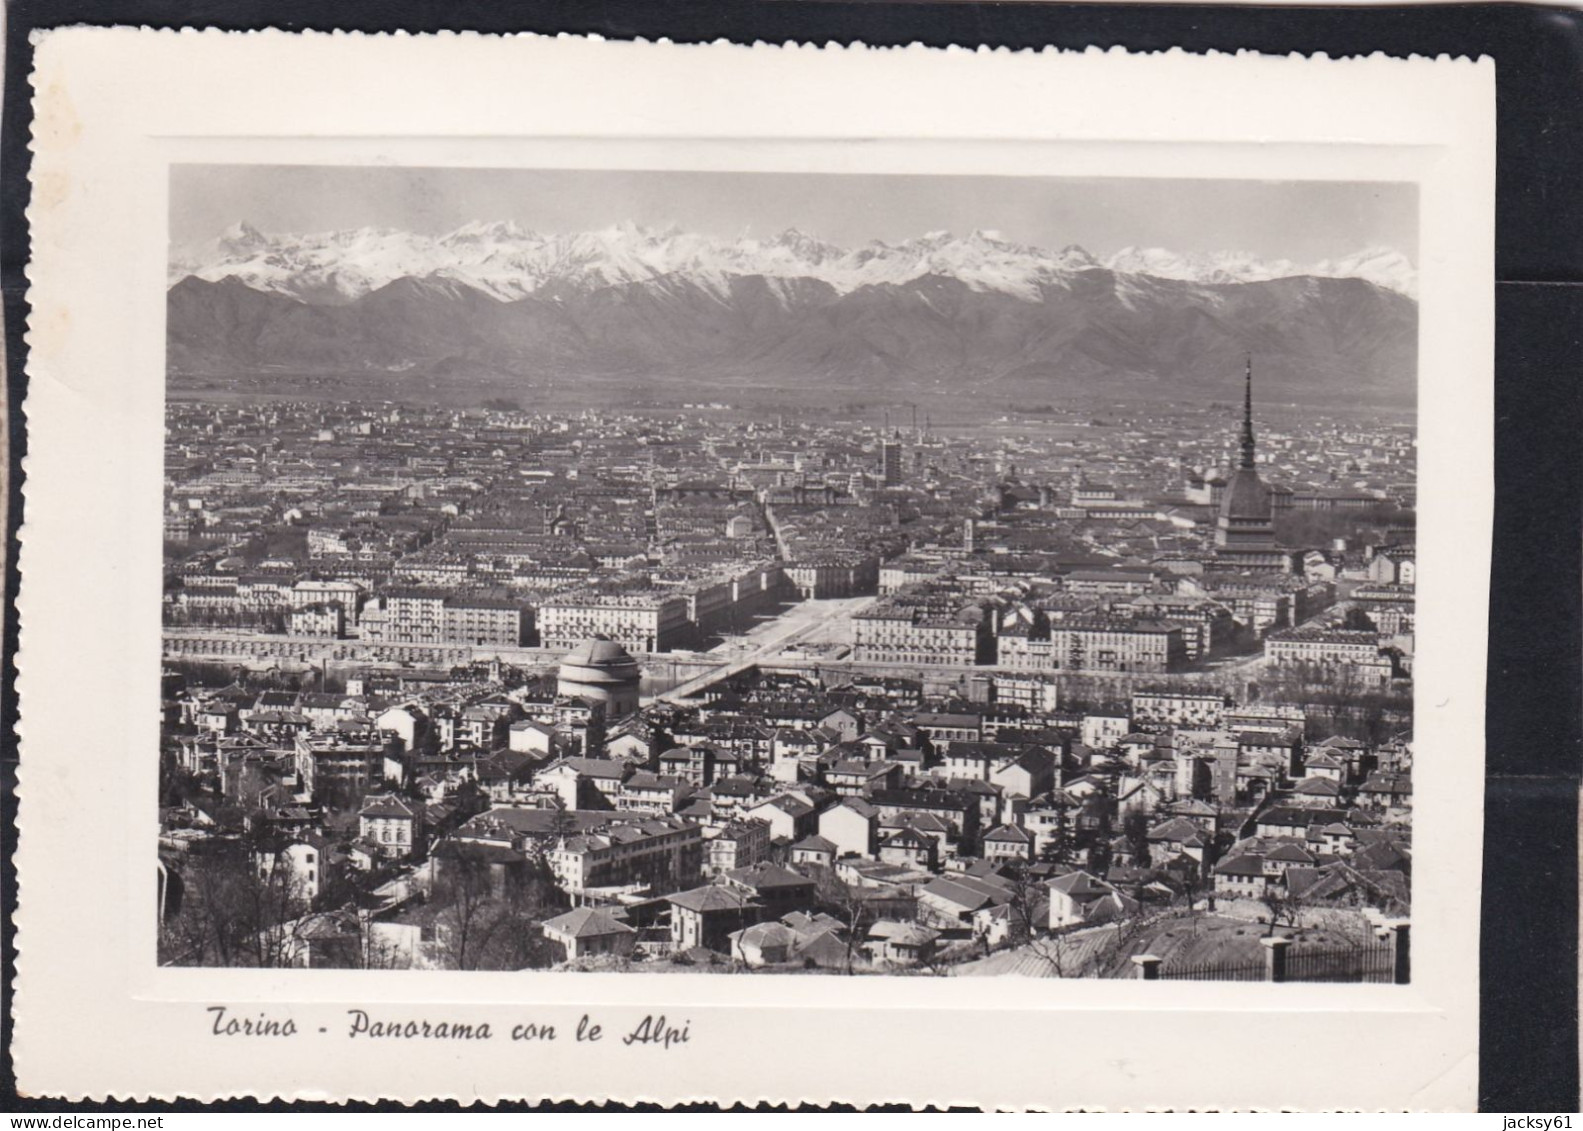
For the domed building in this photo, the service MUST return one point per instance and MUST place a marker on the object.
(1245, 530)
(600, 671)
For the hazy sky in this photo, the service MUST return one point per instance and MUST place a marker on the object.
(1303, 221)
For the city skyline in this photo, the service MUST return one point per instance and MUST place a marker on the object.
(510, 624)
(698, 682)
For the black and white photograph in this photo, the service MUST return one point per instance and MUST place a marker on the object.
(874, 575)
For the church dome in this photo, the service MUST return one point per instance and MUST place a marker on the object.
(599, 650)
(1246, 498)
(599, 660)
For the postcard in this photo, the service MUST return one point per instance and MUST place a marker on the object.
(567, 569)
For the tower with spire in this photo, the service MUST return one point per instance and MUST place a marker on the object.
(1245, 527)
(1247, 415)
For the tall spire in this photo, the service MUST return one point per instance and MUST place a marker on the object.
(1247, 417)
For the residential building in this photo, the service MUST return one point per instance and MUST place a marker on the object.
(660, 853)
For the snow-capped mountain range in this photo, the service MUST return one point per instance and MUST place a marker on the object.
(972, 316)
(507, 262)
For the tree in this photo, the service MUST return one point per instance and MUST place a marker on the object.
(1101, 809)
(1283, 907)
(1058, 847)
(518, 942)
(1356, 620)
(469, 798)
(484, 926)
(340, 885)
(274, 905)
(1122, 942)
(204, 931)
(239, 908)
(375, 952)
(1194, 884)
(395, 750)
(1135, 827)
(466, 919)
(1028, 909)
(562, 823)
(847, 903)
(1061, 950)
(176, 785)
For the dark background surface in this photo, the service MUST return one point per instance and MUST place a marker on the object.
(1529, 1022)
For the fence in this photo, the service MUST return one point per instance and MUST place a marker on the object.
(1206, 972)
(1285, 960)
(1366, 963)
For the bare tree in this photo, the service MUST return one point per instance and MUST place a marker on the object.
(1122, 941)
(518, 942)
(1028, 909)
(240, 907)
(205, 931)
(485, 925)
(274, 906)
(466, 920)
(1194, 884)
(847, 903)
(375, 952)
(1339, 700)
(1060, 950)
(1283, 908)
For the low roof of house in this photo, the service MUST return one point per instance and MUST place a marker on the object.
(788, 804)
(1176, 829)
(765, 876)
(965, 892)
(586, 923)
(765, 934)
(859, 806)
(1080, 885)
(937, 719)
(604, 768)
(645, 780)
(922, 822)
(1011, 833)
(815, 843)
(712, 897)
(1248, 864)
(1288, 853)
(902, 934)
(906, 838)
(1289, 815)
(387, 805)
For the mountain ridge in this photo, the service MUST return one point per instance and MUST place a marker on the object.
(1078, 331)
(507, 261)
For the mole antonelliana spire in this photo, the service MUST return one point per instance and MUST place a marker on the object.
(1245, 530)
(1247, 416)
